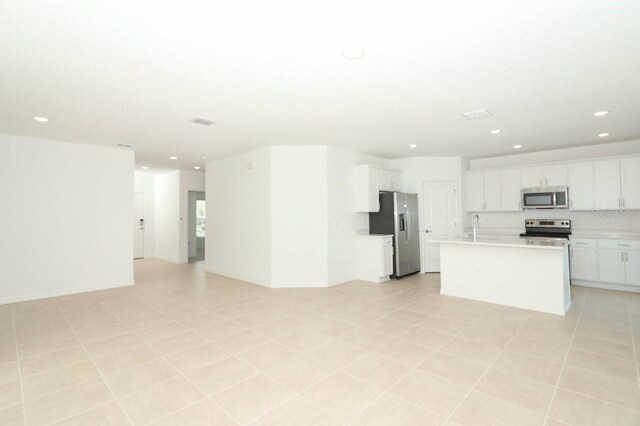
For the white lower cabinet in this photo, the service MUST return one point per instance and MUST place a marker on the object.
(374, 257)
(606, 263)
(611, 265)
(633, 267)
(583, 259)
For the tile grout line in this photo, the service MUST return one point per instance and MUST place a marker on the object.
(633, 342)
(504, 348)
(15, 340)
(97, 369)
(564, 362)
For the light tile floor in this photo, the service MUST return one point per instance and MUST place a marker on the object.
(185, 347)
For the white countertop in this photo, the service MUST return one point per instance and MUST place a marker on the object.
(513, 242)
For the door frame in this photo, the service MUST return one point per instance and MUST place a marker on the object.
(423, 225)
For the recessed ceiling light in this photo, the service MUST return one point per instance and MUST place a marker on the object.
(517, 146)
(196, 167)
(603, 135)
(600, 113)
(173, 158)
(413, 145)
(495, 131)
(145, 167)
(204, 158)
(41, 119)
(353, 53)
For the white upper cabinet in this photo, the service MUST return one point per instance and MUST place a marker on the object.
(367, 189)
(580, 181)
(630, 182)
(475, 191)
(492, 191)
(532, 177)
(606, 190)
(396, 181)
(510, 190)
(369, 182)
(384, 180)
(554, 175)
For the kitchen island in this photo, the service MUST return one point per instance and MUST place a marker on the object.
(521, 273)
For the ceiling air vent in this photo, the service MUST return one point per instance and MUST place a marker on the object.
(203, 121)
(473, 115)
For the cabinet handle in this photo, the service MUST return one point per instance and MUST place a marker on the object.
(623, 203)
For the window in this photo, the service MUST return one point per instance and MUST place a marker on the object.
(201, 219)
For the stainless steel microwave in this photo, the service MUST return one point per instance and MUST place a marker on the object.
(545, 197)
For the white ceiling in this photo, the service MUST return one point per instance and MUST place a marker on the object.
(272, 72)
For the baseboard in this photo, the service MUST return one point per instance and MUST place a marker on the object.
(317, 284)
(606, 286)
(66, 292)
(236, 277)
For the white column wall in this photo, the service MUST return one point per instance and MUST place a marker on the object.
(238, 195)
(299, 223)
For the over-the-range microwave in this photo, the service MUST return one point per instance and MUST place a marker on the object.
(545, 197)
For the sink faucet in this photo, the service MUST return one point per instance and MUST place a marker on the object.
(476, 222)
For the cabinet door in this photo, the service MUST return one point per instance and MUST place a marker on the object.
(630, 179)
(384, 180)
(510, 190)
(633, 267)
(583, 262)
(475, 191)
(492, 191)
(396, 181)
(606, 179)
(555, 175)
(532, 177)
(612, 266)
(387, 260)
(580, 186)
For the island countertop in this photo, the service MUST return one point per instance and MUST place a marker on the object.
(514, 242)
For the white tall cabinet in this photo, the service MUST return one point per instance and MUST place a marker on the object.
(580, 181)
(630, 182)
(606, 188)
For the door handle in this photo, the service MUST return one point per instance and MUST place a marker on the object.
(426, 231)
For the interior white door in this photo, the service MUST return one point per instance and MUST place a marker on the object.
(438, 220)
(138, 225)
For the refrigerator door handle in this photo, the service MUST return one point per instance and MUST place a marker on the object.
(408, 216)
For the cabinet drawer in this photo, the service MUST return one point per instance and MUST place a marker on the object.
(584, 242)
(620, 244)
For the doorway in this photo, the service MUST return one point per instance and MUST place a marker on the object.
(197, 226)
(138, 225)
(438, 220)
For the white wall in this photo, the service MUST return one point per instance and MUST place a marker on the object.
(167, 214)
(239, 216)
(580, 221)
(66, 218)
(146, 183)
(299, 227)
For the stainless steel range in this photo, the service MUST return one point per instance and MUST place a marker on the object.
(547, 229)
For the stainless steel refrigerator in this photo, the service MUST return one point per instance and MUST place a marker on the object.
(398, 216)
